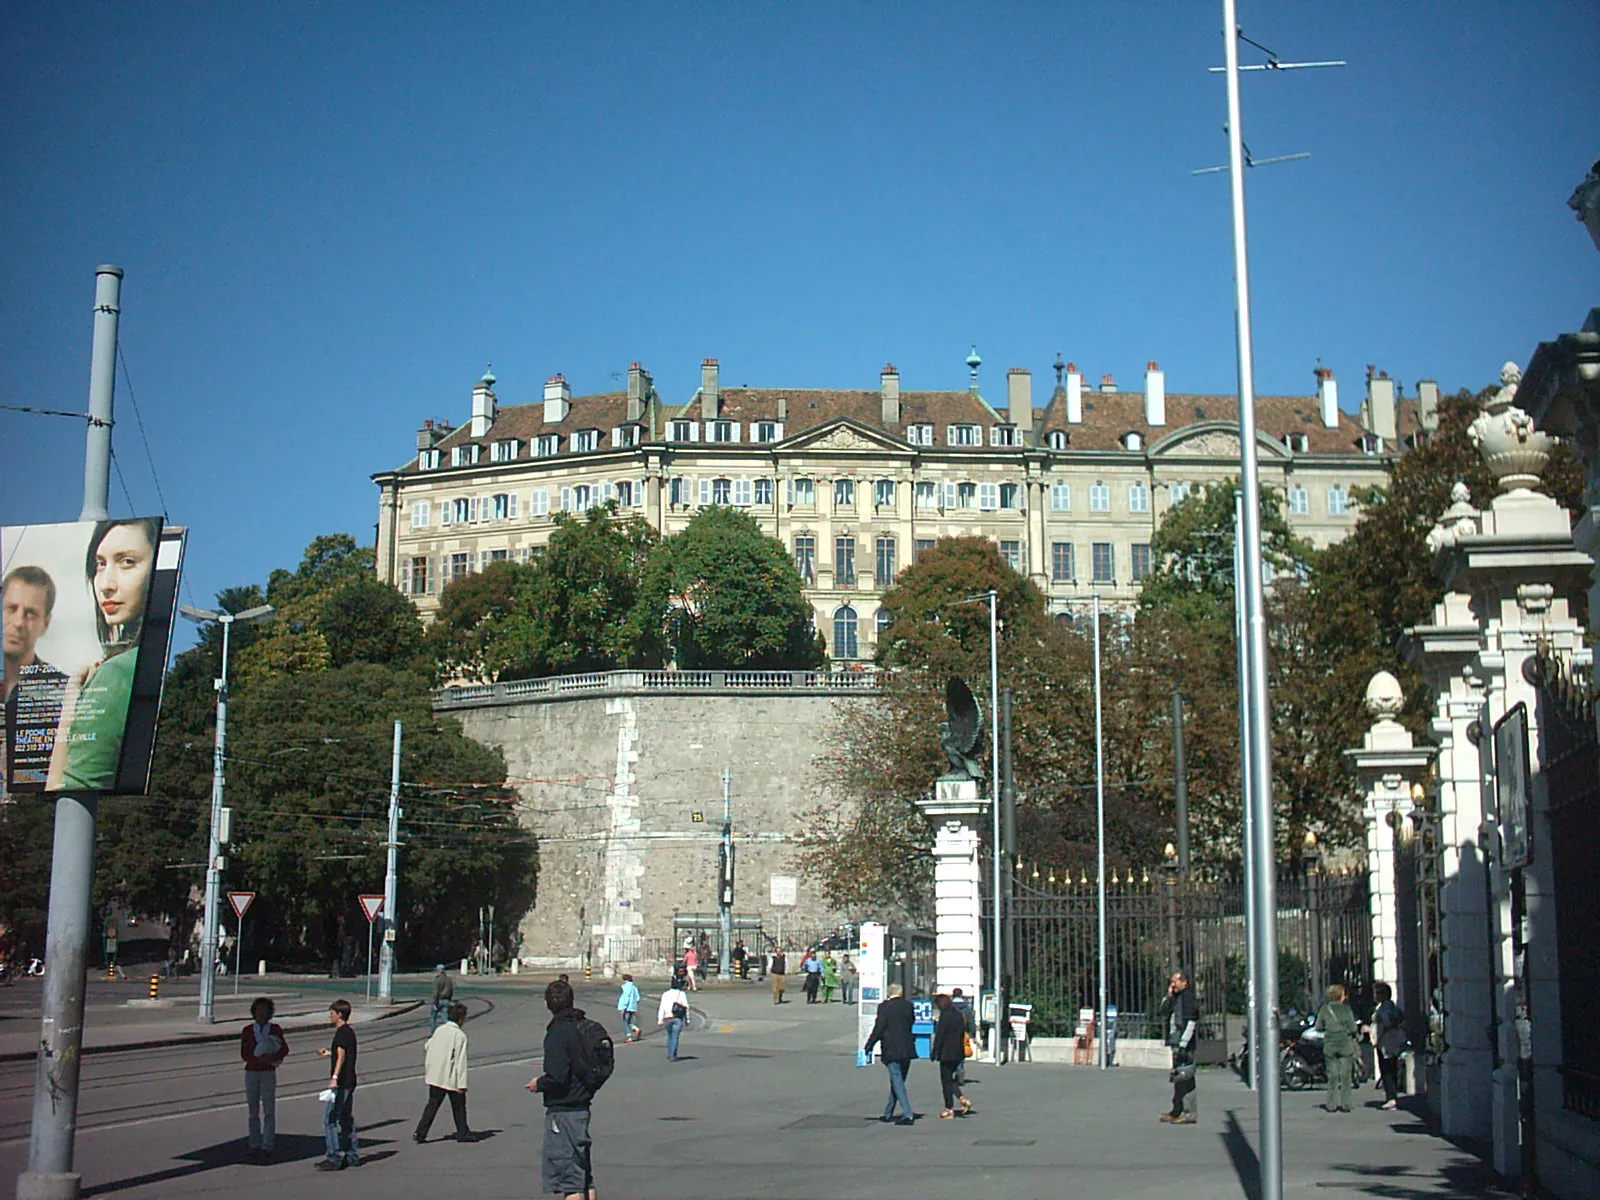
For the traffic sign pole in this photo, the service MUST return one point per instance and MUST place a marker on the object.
(372, 906)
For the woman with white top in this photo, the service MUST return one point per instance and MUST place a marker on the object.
(672, 1014)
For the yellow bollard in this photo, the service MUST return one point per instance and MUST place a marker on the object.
(588, 971)
(155, 987)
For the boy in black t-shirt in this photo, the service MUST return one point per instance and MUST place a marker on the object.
(338, 1113)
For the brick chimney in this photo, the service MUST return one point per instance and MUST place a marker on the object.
(483, 404)
(639, 389)
(557, 400)
(889, 393)
(1019, 400)
(1074, 395)
(1155, 394)
(1327, 398)
(710, 391)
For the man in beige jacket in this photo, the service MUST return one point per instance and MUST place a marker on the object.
(445, 1068)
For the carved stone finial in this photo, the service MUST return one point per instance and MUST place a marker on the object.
(1385, 698)
(1456, 522)
(1585, 202)
(1513, 450)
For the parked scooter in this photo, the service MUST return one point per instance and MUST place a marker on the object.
(1305, 1066)
(36, 966)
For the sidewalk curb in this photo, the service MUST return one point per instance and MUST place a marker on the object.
(199, 1039)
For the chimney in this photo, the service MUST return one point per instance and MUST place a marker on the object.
(1155, 394)
(710, 393)
(783, 408)
(1074, 395)
(1428, 404)
(889, 394)
(638, 391)
(1380, 406)
(483, 404)
(557, 400)
(1107, 384)
(1019, 399)
(1327, 398)
(428, 437)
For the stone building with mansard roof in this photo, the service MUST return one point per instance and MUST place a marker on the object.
(857, 482)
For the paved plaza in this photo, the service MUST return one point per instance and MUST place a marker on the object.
(768, 1103)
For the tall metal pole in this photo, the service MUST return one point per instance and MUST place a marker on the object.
(55, 1088)
(1259, 742)
(209, 936)
(390, 878)
(1180, 785)
(997, 1036)
(1100, 837)
(725, 880)
(1008, 844)
(1255, 1032)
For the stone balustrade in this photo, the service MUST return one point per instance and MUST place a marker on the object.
(657, 683)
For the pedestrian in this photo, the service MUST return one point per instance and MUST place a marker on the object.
(741, 959)
(813, 969)
(672, 1014)
(343, 1145)
(891, 1032)
(1339, 1026)
(568, 1083)
(628, 1006)
(1180, 1015)
(847, 981)
(445, 1072)
(691, 962)
(444, 991)
(1387, 1031)
(949, 1050)
(777, 970)
(262, 1046)
(830, 978)
(963, 1005)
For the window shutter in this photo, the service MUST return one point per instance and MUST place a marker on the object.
(988, 496)
(789, 491)
(472, 561)
(447, 513)
(511, 505)
(638, 493)
(949, 494)
(474, 510)
(705, 492)
(608, 492)
(433, 575)
(741, 492)
(566, 499)
(778, 433)
(405, 577)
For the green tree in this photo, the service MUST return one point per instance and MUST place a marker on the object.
(364, 620)
(725, 596)
(470, 611)
(292, 642)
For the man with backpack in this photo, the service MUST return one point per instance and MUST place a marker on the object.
(578, 1059)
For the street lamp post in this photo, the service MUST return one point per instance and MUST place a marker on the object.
(1169, 873)
(1311, 903)
(208, 944)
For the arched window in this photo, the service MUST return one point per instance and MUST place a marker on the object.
(885, 619)
(1057, 439)
(844, 633)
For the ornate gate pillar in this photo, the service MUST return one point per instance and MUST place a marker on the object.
(955, 808)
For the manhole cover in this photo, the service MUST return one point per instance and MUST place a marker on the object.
(1004, 1142)
(828, 1121)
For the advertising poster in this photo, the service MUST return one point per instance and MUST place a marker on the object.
(86, 620)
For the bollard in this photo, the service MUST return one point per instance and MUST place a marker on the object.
(261, 967)
(155, 987)
(111, 970)
(588, 971)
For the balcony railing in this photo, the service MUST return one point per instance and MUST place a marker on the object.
(656, 683)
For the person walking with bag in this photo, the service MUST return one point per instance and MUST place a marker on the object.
(263, 1047)
(892, 1032)
(1180, 1015)
(578, 1060)
(445, 1071)
(949, 1050)
(1388, 1033)
(672, 1014)
(1339, 1026)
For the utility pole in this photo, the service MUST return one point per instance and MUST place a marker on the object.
(1259, 1035)
(1100, 841)
(725, 879)
(1001, 1024)
(390, 882)
(1008, 843)
(1180, 785)
(55, 1089)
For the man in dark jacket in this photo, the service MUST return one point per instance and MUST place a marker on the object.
(567, 1169)
(1180, 1017)
(891, 1032)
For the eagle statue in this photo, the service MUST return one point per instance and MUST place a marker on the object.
(961, 730)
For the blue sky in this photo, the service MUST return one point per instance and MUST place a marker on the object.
(331, 216)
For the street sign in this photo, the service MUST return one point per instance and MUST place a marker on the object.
(240, 902)
(785, 890)
(372, 906)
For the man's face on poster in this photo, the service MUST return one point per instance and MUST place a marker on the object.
(26, 614)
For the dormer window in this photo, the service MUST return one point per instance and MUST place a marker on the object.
(1133, 440)
(683, 431)
(1297, 442)
(585, 440)
(1004, 435)
(547, 445)
(724, 431)
(1056, 439)
(965, 435)
(768, 431)
(504, 450)
(625, 436)
(466, 455)
(427, 460)
(919, 435)
(1371, 443)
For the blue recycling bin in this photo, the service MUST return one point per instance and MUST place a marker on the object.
(922, 1026)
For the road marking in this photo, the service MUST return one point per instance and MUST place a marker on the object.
(216, 1108)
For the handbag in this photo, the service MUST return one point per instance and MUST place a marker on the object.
(967, 1050)
(679, 1011)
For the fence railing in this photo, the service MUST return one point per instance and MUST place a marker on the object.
(476, 695)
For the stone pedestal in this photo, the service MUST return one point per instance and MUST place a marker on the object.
(955, 810)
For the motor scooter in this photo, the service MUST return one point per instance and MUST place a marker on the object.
(1306, 1066)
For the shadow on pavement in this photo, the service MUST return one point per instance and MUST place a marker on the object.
(1462, 1178)
(1245, 1163)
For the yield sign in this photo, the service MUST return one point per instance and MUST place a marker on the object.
(372, 906)
(240, 902)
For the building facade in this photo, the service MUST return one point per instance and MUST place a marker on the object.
(856, 483)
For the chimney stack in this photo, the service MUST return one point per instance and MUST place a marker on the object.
(1327, 398)
(483, 404)
(889, 392)
(1074, 395)
(710, 392)
(783, 408)
(1380, 406)
(1155, 394)
(428, 437)
(1107, 384)
(1019, 400)
(1428, 405)
(557, 400)
(639, 389)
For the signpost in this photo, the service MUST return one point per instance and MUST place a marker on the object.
(372, 906)
(785, 894)
(240, 902)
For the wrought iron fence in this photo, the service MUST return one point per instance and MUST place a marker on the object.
(1155, 924)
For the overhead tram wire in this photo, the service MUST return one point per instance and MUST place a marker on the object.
(138, 420)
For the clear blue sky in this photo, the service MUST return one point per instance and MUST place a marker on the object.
(331, 216)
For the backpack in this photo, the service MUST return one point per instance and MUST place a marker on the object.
(599, 1056)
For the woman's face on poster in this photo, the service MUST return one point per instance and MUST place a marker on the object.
(122, 564)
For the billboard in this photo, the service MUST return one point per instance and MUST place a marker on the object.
(1512, 785)
(86, 620)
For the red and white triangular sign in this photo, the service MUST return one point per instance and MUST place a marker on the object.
(240, 902)
(372, 906)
